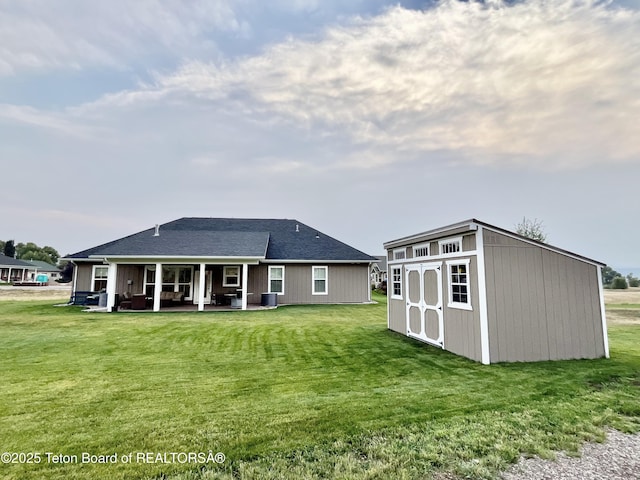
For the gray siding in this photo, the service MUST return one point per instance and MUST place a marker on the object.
(462, 327)
(346, 284)
(541, 305)
(397, 314)
(135, 273)
(83, 276)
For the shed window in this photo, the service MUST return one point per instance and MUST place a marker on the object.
(276, 280)
(396, 282)
(421, 250)
(459, 291)
(319, 281)
(450, 245)
(99, 281)
(400, 254)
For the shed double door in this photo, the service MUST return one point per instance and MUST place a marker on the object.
(424, 302)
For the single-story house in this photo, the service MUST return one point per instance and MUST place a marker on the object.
(38, 267)
(379, 271)
(492, 295)
(208, 261)
(13, 270)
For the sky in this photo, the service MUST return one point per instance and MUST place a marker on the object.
(368, 120)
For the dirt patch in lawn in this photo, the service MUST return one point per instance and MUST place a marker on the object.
(52, 292)
(628, 295)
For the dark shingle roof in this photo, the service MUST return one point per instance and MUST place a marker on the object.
(222, 237)
(43, 266)
(13, 262)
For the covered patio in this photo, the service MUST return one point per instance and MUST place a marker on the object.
(216, 285)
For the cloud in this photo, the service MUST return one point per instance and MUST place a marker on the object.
(40, 36)
(550, 84)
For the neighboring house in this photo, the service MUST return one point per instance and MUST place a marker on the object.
(208, 259)
(39, 267)
(13, 270)
(379, 271)
(494, 296)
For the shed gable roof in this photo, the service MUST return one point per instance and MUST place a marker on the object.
(230, 237)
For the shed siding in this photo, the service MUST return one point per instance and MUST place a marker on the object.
(397, 314)
(541, 305)
(462, 327)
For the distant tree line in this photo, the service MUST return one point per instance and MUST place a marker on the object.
(613, 279)
(29, 251)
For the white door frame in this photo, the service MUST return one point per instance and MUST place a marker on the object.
(422, 304)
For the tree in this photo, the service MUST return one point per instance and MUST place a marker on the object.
(66, 275)
(31, 251)
(533, 229)
(608, 274)
(633, 281)
(9, 249)
(619, 283)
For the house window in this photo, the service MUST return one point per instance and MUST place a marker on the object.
(459, 291)
(174, 279)
(396, 282)
(99, 277)
(276, 280)
(319, 281)
(182, 280)
(231, 276)
(400, 254)
(421, 250)
(450, 245)
(149, 281)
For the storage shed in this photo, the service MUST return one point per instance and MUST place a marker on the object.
(492, 295)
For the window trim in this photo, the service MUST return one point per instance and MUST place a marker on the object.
(225, 276)
(270, 278)
(94, 278)
(313, 279)
(394, 281)
(149, 286)
(402, 251)
(421, 245)
(450, 303)
(446, 241)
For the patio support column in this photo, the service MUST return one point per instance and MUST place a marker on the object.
(245, 284)
(75, 280)
(9, 275)
(201, 288)
(112, 275)
(157, 288)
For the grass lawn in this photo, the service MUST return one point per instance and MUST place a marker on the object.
(296, 392)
